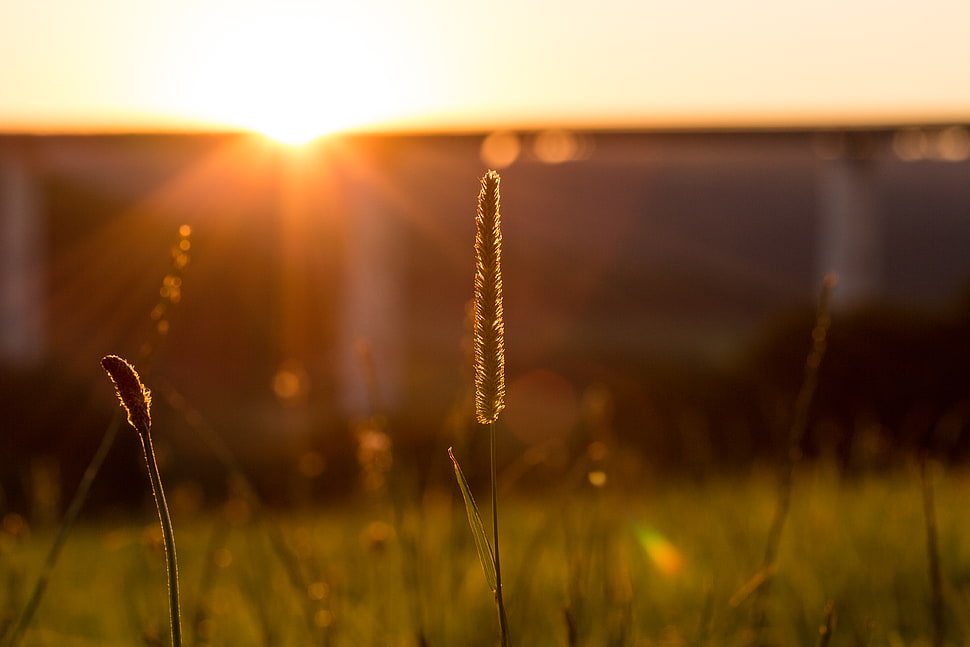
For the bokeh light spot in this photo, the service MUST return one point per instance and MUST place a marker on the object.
(909, 144)
(291, 383)
(318, 590)
(500, 149)
(597, 478)
(953, 144)
(660, 550)
(556, 146)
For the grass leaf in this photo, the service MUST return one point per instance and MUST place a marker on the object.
(478, 529)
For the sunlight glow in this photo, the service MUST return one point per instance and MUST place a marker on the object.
(296, 69)
(294, 76)
(299, 68)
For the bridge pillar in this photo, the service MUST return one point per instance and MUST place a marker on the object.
(851, 228)
(371, 328)
(22, 311)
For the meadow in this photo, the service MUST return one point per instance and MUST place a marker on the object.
(621, 564)
(601, 545)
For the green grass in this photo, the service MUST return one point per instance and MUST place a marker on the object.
(859, 543)
(636, 561)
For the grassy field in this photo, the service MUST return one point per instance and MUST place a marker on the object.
(656, 565)
(606, 551)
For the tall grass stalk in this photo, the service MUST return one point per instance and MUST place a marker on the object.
(499, 598)
(136, 400)
(489, 344)
(489, 363)
(796, 432)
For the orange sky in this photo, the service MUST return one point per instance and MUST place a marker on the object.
(297, 68)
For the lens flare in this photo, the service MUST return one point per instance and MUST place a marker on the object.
(661, 552)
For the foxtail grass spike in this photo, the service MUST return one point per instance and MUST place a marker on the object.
(135, 398)
(489, 328)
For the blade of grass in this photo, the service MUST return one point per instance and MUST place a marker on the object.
(478, 529)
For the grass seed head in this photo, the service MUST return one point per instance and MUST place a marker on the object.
(134, 396)
(489, 328)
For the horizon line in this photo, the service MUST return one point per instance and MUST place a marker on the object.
(471, 130)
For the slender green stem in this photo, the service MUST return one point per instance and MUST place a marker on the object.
(502, 618)
(168, 535)
(73, 510)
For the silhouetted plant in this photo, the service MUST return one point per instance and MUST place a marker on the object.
(136, 400)
(489, 362)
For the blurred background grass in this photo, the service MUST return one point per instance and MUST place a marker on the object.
(377, 575)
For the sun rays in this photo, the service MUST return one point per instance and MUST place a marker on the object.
(293, 73)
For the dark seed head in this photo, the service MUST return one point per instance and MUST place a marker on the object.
(135, 398)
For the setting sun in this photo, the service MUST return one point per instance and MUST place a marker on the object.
(293, 76)
(296, 69)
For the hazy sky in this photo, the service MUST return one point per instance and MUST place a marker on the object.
(304, 66)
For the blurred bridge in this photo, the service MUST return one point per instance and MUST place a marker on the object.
(685, 222)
